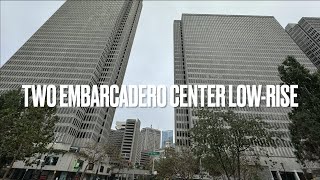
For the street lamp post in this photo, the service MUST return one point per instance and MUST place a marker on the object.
(152, 165)
(201, 175)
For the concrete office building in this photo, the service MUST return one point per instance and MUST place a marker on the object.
(139, 149)
(150, 139)
(144, 158)
(115, 138)
(133, 143)
(83, 42)
(130, 141)
(307, 36)
(234, 50)
(150, 142)
(126, 138)
(167, 138)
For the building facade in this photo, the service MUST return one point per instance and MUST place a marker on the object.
(83, 42)
(150, 139)
(130, 141)
(150, 142)
(115, 138)
(127, 138)
(167, 138)
(234, 50)
(307, 36)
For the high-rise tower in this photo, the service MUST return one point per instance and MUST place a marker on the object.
(234, 50)
(127, 139)
(83, 42)
(167, 137)
(130, 142)
(307, 35)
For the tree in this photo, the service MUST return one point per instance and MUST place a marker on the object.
(24, 131)
(165, 166)
(147, 165)
(93, 154)
(186, 164)
(223, 139)
(96, 153)
(177, 163)
(117, 161)
(305, 126)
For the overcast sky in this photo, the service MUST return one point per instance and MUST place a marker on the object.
(151, 59)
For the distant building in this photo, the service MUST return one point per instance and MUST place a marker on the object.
(168, 144)
(116, 137)
(139, 148)
(150, 141)
(167, 138)
(115, 142)
(307, 36)
(120, 125)
(144, 158)
(130, 140)
(126, 138)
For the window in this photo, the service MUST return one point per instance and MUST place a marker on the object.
(51, 160)
(90, 166)
(101, 168)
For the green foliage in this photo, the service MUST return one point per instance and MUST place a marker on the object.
(305, 126)
(165, 166)
(177, 163)
(224, 138)
(148, 164)
(24, 131)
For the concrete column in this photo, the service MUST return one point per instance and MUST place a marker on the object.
(278, 175)
(296, 176)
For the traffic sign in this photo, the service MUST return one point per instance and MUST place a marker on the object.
(153, 153)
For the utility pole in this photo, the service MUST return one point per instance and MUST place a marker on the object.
(152, 165)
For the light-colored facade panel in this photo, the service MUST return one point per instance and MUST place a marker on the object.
(82, 43)
(234, 50)
(307, 36)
